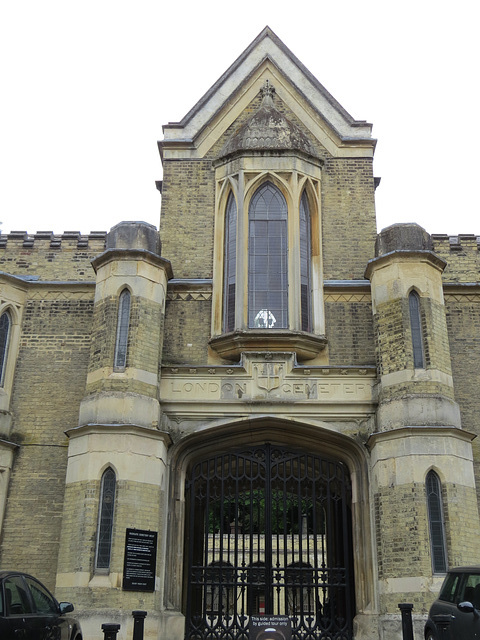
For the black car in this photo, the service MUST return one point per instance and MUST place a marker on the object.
(30, 612)
(457, 607)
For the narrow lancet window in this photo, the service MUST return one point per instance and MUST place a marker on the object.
(123, 322)
(267, 260)
(436, 522)
(105, 520)
(416, 329)
(305, 269)
(230, 264)
(5, 325)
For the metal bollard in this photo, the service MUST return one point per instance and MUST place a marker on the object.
(110, 631)
(407, 626)
(138, 622)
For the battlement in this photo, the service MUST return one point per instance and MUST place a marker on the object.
(462, 242)
(94, 241)
(462, 254)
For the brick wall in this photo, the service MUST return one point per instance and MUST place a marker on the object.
(188, 208)
(348, 217)
(349, 330)
(49, 384)
(187, 331)
(463, 320)
(137, 506)
(51, 257)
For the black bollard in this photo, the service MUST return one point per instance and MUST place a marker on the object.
(407, 627)
(110, 631)
(138, 622)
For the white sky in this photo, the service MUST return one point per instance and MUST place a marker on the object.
(86, 87)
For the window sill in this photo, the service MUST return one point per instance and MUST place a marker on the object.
(231, 345)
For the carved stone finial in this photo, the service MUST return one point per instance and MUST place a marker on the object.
(267, 90)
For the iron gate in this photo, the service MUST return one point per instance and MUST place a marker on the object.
(269, 531)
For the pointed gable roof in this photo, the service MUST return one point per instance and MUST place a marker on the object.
(303, 93)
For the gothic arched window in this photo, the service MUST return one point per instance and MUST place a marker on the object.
(436, 522)
(5, 325)
(230, 263)
(267, 260)
(105, 519)
(416, 329)
(123, 322)
(305, 263)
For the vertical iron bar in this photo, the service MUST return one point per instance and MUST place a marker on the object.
(346, 550)
(268, 531)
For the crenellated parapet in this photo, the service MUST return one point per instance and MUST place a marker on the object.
(51, 257)
(95, 240)
(462, 255)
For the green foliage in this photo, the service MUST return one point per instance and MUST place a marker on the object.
(246, 513)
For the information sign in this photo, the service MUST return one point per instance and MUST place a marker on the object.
(270, 628)
(140, 560)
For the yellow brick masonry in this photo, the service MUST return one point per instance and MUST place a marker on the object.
(137, 505)
(144, 344)
(463, 320)
(63, 257)
(55, 345)
(461, 254)
(403, 540)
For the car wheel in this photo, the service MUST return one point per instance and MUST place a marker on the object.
(430, 636)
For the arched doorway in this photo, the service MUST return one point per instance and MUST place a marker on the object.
(269, 531)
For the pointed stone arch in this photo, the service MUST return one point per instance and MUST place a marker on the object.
(318, 441)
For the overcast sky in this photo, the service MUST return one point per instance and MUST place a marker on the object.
(86, 87)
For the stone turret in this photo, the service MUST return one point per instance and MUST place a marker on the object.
(412, 392)
(119, 420)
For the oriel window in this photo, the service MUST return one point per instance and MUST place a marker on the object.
(305, 262)
(267, 260)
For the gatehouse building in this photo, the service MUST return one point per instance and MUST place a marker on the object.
(265, 406)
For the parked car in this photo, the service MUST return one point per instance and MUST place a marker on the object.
(29, 611)
(457, 606)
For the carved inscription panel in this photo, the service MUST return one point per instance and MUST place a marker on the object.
(259, 379)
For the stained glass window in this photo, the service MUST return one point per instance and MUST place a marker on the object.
(437, 527)
(305, 253)
(267, 260)
(105, 519)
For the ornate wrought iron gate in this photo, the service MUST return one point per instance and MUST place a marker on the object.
(269, 531)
